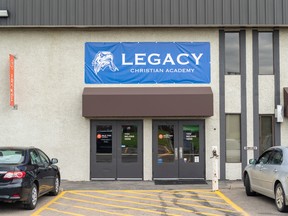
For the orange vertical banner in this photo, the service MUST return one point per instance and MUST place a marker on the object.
(11, 59)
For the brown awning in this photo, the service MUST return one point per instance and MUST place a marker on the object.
(285, 90)
(147, 102)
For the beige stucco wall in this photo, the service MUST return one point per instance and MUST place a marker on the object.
(48, 89)
(49, 80)
(233, 94)
(266, 94)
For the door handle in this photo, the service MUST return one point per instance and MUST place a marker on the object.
(180, 152)
(176, 153)
(275, 170)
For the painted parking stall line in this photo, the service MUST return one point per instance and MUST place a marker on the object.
(233, 205)
(141, 199)
(46, 206)
(141, 202)
(91, 209)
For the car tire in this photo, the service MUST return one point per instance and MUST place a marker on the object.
(249, 191)
(280, 198)
(32, 198)
(56, 187)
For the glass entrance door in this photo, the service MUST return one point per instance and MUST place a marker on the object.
(178, 149)
(130, 151)
(165, 150)
(116, 150)
(191, 141)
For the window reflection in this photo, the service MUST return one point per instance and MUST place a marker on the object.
(232, 53)
(265, 40)
(191, 143)
(233, 141)
(129, 144)
(165, 144)
(264, 158)
(266, 133)
(104, 143)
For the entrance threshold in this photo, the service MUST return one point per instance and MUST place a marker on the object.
(118, 179)
(129, 179)
(102, 179)
(180, 181)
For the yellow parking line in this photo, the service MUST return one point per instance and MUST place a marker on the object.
(92, 209)
(62, 195)
(236, 207)
(117, 206)
(133, 202)
(155, 200)
(63, 212)
(168, 191)
(48, 204)
(185, 199)
(202, 191)
(140, 209)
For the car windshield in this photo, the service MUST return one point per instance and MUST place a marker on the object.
(11, 156)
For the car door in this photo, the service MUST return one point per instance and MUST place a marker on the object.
(39, 170)
(48, 171)
(270, 171)
(258, 174)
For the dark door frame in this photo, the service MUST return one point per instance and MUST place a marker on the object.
(175, 169)
(111, 170)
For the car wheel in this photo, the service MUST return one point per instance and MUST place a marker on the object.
(280, 198)
(56, 187)
(249, 191)
(32, 199)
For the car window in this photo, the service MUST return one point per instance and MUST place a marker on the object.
(11, 156)
(276, 158)
(35, 159)
(264, 158)
(44, 157)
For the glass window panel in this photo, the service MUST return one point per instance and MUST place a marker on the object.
(129, 145)
(44, 158)
(265, 52)
(232, 53)
(233, 141)
(191, 143)
(264, 158)
(11, 156)
(35, 158)
(165, 144)
(277, 158)
(104, 143)
(266, 133)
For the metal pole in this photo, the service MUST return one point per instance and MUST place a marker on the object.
(214, 158)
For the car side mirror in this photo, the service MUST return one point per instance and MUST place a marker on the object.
(54, 160)
(252, 161)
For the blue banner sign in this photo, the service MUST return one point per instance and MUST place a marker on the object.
(147, 62)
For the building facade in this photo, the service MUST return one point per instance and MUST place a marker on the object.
(73, 98)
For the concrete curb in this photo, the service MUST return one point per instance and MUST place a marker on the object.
(143, 185)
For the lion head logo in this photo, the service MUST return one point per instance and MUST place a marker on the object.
(102, 60)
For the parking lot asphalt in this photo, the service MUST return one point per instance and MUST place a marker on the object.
(141, 198)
